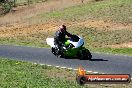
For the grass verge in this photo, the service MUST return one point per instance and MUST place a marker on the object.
(114, 10)
(23, 42)
(121, 51)
(19, 74)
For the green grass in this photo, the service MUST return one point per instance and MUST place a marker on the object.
(114, 10)
(122, 51)
(23, 42)
(34, 40)
(18, 74)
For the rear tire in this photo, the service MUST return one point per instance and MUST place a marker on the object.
(57, 52)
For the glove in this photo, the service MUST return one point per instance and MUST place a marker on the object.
(71, 46)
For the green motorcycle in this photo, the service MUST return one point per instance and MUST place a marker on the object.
(72, 48)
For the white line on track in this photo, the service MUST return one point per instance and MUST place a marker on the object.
(89, 71)
(75, 69)
(57, 66)
(63, 67)
(69, 68)
(49, 65)
(43, 64)
(95, 72)
(34, 63)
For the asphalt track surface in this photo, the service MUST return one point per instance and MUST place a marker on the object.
(102, 63)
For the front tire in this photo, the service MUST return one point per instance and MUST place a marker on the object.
(85, 55)
(88, 54)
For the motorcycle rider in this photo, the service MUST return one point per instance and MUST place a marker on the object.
(60, 36)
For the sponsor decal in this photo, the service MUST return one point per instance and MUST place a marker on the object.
(83, 78)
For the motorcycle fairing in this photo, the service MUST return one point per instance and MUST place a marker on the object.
(77, 44)
(50, 41)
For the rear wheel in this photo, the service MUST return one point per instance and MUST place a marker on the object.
(53, 50)
(57, 52)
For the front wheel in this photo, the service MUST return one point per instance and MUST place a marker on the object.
(85, 55)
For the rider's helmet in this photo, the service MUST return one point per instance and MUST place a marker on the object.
(62, 28)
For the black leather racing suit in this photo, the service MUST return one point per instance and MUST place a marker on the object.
(59, 38)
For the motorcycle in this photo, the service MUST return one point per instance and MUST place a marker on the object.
(72, 47)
